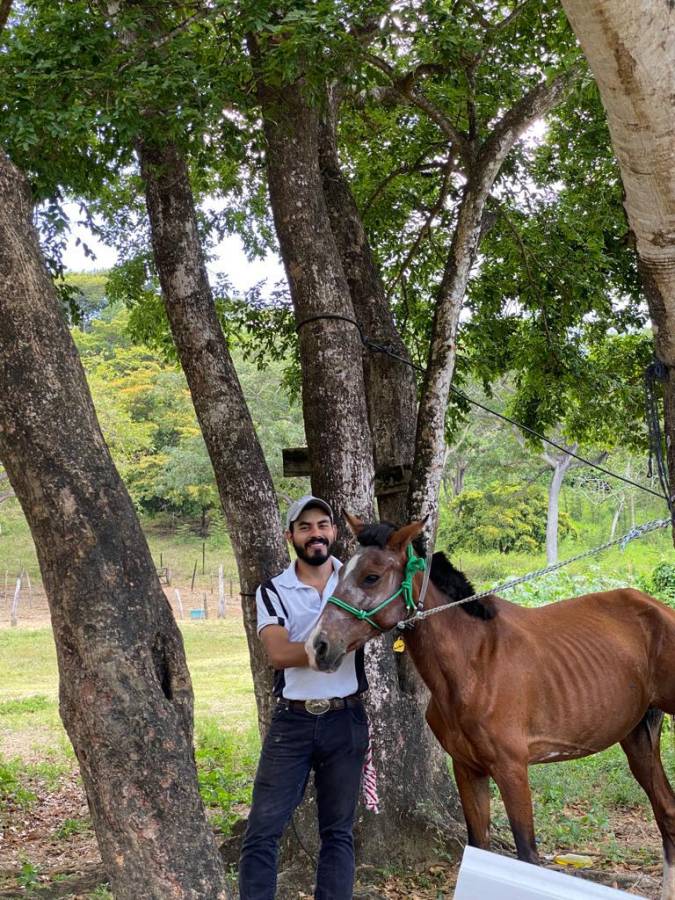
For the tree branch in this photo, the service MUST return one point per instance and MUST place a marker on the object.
(418, 166)
(504, 23)
(407, 89)
(163, 39)
(536, 103)
(426, 227)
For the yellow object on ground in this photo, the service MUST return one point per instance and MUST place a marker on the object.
(573, 859)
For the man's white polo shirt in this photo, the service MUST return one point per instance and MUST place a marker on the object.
(286, 601)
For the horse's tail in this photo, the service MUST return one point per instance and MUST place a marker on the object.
(653, 722)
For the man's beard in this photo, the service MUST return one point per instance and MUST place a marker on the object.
(314, 553)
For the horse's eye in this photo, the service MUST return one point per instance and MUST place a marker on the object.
(371, 579)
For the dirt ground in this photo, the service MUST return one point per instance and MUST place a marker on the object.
(68, 865)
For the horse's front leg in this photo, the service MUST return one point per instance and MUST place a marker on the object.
(474, 792)
(514, 786)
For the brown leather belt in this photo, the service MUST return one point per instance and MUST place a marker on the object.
(319, 707)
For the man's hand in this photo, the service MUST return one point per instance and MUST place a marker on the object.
(281, 652)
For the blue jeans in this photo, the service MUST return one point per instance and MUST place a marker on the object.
(333, 745)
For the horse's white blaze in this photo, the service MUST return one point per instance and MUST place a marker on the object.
(352, 564)
(668, 890)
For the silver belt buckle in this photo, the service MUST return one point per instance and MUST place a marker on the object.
(317, 707)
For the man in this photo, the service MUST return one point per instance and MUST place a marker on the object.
(319, 723)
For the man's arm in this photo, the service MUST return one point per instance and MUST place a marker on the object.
(281, 652)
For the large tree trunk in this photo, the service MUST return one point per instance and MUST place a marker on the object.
(125, 692)
(244, 482)
(336, 420)
(333, 394)
(629, 47)
(389, 382)
(392, 412)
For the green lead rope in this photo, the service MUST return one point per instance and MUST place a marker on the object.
(414, 565)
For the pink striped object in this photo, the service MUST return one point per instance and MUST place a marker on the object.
(369, 780)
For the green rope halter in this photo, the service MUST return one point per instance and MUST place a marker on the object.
(414, 565)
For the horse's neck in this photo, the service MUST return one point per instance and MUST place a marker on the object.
(440, 645)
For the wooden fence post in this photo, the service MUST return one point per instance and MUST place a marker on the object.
(221, 592)
(13, 621)
(206, 605)
(30, 589)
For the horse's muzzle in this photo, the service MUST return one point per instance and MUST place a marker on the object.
(327, 656)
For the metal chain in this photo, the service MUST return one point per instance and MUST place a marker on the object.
(631, 535)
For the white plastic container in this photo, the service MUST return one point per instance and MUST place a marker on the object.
(488, 876)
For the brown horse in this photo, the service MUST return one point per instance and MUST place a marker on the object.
(513, 686)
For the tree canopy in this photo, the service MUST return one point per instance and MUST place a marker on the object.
(416, 85)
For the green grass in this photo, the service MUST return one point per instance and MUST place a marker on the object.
(609, 569)
(71, 827)
(13, 790)
(180, 548)
(226, 763)
(218, 660)
(17, 550)
(217, 656)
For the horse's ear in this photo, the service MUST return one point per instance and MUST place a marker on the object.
(399, 540)
(356, 525)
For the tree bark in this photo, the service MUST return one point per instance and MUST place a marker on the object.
(334, 398)
(629, 47)
(124, 688)
(391, 391)
(392, 413)
(244, 483)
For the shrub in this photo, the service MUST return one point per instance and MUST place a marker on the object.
(661, 583)
(504, 518)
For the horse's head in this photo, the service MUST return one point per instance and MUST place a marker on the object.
(373, 593)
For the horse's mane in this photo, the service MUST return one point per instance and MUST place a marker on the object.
(449, 580)
(456, 586)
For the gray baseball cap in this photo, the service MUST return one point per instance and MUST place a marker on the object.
(297, 508)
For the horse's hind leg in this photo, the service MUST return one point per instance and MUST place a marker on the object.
(642, 747)
(474, 792)
(514, 787)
